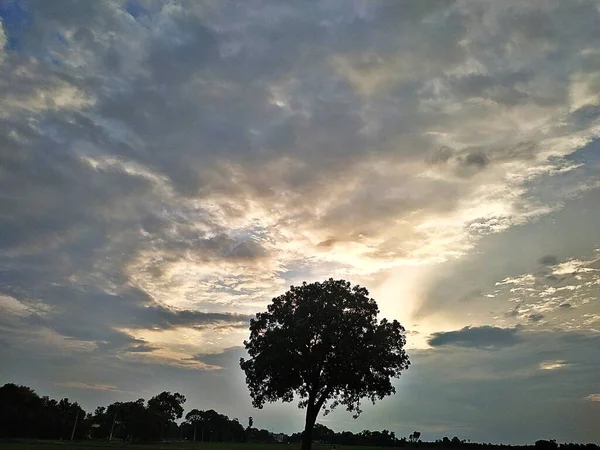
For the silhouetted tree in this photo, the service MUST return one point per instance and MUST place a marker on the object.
(322, 342)
(546, 445)
(24, 414)
(168, 407)
(195, 419)
(414, 437)
(19, 407)
(323, 434)
(215, 427)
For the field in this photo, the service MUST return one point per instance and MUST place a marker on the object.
(55, 445)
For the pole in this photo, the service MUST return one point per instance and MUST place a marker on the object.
(74, 425)
(194, 434)
(112, 427)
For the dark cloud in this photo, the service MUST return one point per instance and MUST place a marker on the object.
(485, 337)
(548, 260)
(142, 348)
(512, 313)
(476, 159)
(165, 318)
(535, 317)
(442, 155)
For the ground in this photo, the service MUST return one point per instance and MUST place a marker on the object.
(96, 445)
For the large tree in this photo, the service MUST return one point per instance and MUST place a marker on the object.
(323, 343)
(168, 407)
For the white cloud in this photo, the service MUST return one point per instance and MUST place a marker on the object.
(552, 365)
(86, 386)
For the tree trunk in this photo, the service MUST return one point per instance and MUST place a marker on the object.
(311, 417)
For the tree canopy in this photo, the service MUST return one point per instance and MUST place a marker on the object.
(323, 343)
(168, 405)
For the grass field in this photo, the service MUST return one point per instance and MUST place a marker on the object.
(95, 445)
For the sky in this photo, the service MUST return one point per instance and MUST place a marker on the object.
(168, 167)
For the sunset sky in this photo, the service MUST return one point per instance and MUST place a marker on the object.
(166, 168)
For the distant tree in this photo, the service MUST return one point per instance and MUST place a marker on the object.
(167, 404)
(414, 437)
(543, 444)
(71, 416)
(168, 407)
(323, 343)
(196, 419)
(134, 422)
(250, 421)
(236, 431)
(323, 434)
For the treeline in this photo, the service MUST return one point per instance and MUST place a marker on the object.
(24, 414)
(386, 438)
(325, 435)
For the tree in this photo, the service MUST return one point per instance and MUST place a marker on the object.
(414, 437)
(19, 411)
(195, 418)
(546, 444)
(322, 342)
(168, 407)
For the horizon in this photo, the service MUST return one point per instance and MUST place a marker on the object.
(167, 168)
(407, 439)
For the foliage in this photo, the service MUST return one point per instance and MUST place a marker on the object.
(23, 413)
(322, 342)
(167, 405)
(213, 426)
(415, 436)
(325, 435)
(133, 421)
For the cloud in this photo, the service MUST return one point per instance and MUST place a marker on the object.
(548, 260)
(92, 386)
(535, 317)
(485, 337)
(165, 318)
(141, 349)
(462, 383)
(167, 169)
(560, 295)
(552, 365)
(229, 357)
